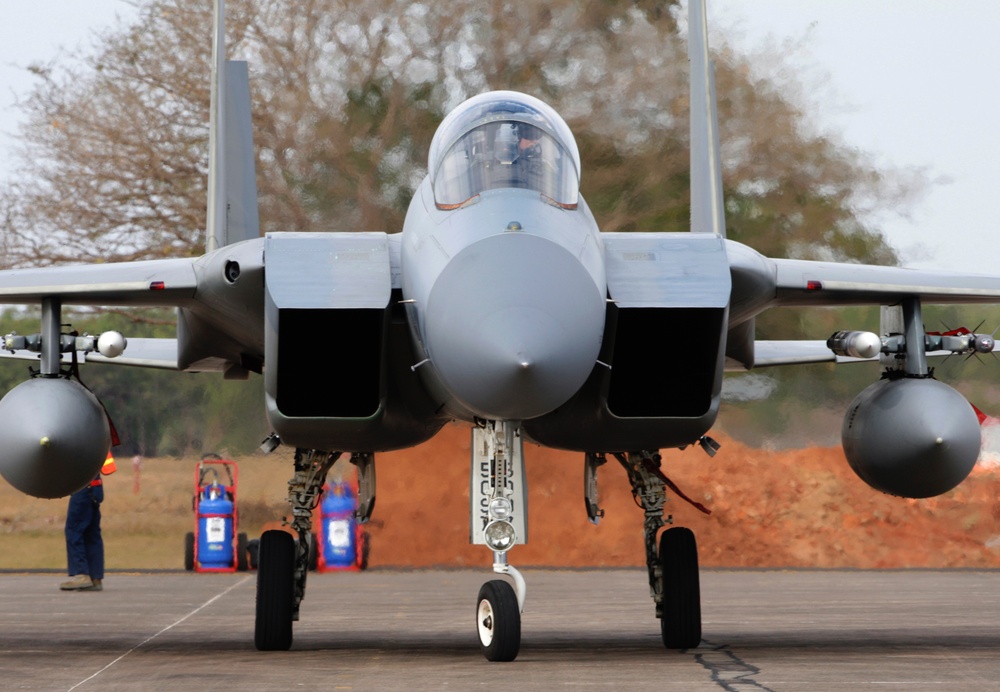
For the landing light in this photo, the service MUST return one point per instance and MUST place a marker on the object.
(500, 535)
(500, 508)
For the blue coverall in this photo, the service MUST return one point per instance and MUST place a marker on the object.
(84, 545)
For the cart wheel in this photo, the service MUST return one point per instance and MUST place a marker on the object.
(275, 587)
(241, 552)
(189, 551)
(364, 547)
(253, 550)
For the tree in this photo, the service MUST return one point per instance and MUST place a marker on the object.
(347, 96)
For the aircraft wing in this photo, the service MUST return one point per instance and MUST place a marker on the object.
(806, 283)
(219, 296)
(154, 283)
(168, 282)
(760, 283)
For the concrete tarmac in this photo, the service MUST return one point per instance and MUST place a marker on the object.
(400, 630)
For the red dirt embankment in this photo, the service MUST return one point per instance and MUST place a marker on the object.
(792, 508)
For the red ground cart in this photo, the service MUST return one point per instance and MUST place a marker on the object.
(338, 542)
(215, 544)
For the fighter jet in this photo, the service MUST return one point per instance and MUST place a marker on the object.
(500, 304)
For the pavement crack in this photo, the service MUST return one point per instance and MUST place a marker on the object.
(729, 671)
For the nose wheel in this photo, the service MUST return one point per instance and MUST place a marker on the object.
(498, 621)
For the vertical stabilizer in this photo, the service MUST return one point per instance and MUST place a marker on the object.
(232, 178)
(242, 222)
(707, 211)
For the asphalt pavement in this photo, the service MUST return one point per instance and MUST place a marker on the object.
(414, 630)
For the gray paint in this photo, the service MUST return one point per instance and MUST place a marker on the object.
(242, 220)
(707, 206)
(327, 270)
(666, 270)
(54, 437)
(911, 437)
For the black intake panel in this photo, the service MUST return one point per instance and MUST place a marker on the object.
(665, 362)
(330, 362)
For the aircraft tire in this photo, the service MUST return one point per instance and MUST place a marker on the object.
(680, 624)
(275, 587)
(498, 621)
(189, 551)
(241, 552)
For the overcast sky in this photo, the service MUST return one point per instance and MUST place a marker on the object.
(913, 82)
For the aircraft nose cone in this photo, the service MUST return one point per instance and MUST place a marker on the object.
(513, 326)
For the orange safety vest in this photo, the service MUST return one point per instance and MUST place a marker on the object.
(109, 466)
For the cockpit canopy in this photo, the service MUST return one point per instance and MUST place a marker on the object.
(504, 139)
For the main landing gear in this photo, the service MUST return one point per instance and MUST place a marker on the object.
(673, 565)
(283, 561)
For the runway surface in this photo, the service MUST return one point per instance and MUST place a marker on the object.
(395, 630)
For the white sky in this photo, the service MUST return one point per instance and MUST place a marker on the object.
(914, 82)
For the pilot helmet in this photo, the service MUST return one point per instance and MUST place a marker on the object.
(530, 142)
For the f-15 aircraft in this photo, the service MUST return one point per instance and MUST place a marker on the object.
(499, 303)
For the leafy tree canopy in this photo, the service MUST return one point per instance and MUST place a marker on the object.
(346, 99)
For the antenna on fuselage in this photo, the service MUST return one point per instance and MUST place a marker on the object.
(707, 210)
(232, 177)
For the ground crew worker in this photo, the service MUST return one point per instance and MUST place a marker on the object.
(84, 544)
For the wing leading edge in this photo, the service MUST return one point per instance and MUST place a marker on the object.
(152, 283)
(805, 283)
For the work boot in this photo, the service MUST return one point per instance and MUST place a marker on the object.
(96, 586)
(78, 583)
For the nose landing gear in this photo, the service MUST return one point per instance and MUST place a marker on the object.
(499, 522)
